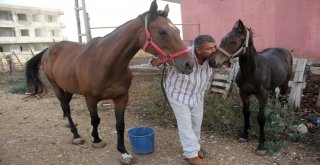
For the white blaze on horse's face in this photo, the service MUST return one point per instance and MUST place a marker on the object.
(173, 26)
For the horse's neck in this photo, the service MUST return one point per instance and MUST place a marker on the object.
(123, 43)
(247, 61)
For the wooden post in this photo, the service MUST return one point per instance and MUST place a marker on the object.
(78, 20)
(10, 63)
(297, 84)
(318, 101)
(1, 62)
(31, 52)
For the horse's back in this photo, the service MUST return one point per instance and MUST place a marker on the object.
(62, 55)
(278, 57)
(59, 61)
(280, 63)
(67, 49)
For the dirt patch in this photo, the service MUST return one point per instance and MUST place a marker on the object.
(34, 132)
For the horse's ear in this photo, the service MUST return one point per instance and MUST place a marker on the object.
(239, 26)
(153, 9)
(166, 10)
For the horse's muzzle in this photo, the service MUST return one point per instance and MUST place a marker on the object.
(188, 65)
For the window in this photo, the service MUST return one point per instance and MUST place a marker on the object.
(1, 49)
(55, 33)
(24, 32)
(37, 18)
(5, 15)
(22, 17)
(7, 32)
(52, 18)
(40, 33)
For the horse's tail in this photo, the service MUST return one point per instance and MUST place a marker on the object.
(291, 55)
(34, 84)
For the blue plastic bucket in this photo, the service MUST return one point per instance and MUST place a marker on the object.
(141, 140)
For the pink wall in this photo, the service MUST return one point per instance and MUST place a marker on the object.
(292, 24)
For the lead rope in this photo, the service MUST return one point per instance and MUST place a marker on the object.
(164, 76)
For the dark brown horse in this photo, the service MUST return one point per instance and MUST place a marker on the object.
(99, 70)
(259, 73)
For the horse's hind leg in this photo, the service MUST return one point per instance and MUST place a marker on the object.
(273, 96)
(284, 86)
(246, 114)
(65, 98)
(120, 107)
(283, 90)
(95, 121)
(68, 97)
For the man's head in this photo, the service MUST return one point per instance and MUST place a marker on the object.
(204, 46)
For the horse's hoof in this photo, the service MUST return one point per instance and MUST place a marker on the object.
(78, 141)
(99, 145)
(243, 140)
(127, 159)
(261, 152)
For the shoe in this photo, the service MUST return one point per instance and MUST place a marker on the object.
(202, 154)
(195, 161)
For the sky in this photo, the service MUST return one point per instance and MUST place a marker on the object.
(102, 13)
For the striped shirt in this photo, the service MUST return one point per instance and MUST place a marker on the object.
(189, 89)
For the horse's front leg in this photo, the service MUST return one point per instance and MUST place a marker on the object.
(95, 121)
(120, 107)
(246, 115)
(262, 98)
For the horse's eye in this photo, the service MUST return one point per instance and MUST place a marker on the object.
(162, 32)
(233, 42)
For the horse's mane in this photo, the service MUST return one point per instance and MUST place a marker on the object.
(251, 35)
(159, 13)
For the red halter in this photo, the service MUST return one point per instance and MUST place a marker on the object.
(149, 40)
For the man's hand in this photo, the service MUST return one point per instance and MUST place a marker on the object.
(156, 62)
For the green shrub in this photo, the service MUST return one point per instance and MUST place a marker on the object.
(18, 89)
(155, 109)
(221, 115)
(278, 126)
(17, 83)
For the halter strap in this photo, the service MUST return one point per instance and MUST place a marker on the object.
(242, 48)
(149, 41)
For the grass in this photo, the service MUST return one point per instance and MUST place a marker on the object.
(17, 83)
(221, 115)
(155, 105)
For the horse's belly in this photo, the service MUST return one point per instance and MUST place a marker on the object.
(248, 88)
(277, 80)
(119, 87)
(115, 92)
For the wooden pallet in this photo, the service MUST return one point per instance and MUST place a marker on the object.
(223, 79)
(18, 61)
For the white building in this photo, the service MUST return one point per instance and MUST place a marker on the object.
(28, 28)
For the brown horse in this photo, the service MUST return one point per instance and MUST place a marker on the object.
(259, 73)
(99, 70)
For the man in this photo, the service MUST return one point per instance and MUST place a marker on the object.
(186, 96)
